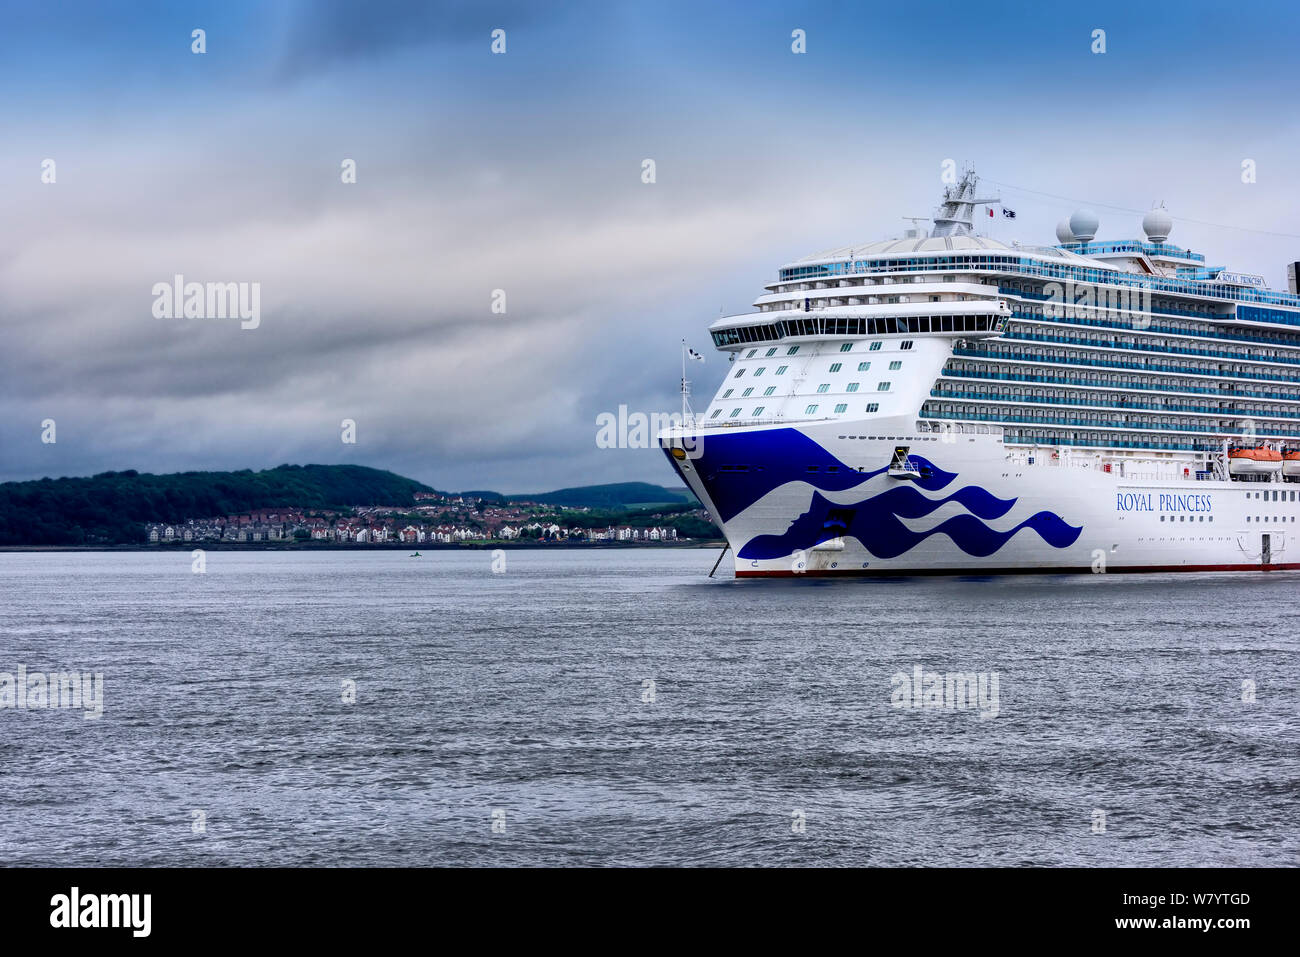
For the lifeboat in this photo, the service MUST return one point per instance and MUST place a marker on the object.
(1291, 463)
(1254, 461)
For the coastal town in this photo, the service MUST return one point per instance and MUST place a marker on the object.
(435, 519)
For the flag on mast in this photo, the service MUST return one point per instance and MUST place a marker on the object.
(694, 355)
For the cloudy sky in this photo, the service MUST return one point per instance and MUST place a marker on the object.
(522, 172)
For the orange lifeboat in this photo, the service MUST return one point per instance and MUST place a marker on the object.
(1254, 461)
(1291, 463)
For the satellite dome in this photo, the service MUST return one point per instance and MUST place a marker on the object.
(1063, 233)
(1084, 225)
(1157, 224)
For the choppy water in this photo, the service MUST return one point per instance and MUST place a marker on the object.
(522, 693)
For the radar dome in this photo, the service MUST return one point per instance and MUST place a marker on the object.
(1084, 225)
(1157, 224)
(1063, 234)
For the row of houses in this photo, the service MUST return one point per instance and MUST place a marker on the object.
(363, 532)
(157, 533)
(621, 533)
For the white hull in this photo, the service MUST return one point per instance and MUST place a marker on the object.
(980, 511)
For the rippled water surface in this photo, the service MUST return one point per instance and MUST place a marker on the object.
(519, 697)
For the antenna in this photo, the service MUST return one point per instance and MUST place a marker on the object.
(917, 231)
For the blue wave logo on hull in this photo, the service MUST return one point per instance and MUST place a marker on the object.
(739, 469)
(875, 522)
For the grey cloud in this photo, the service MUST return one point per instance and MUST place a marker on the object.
(375, 296)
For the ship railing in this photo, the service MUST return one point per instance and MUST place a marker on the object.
(769, 420)
(1147, 469)
(960, 428)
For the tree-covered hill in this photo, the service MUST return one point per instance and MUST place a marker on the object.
(617, 495)
(113, 506)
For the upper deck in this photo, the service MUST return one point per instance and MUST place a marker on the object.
(1132, 346)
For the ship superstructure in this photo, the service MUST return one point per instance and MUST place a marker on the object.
(896, 406)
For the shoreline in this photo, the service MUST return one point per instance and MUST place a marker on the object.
(353, 546)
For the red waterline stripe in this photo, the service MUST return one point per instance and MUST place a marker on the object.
(1038, 570)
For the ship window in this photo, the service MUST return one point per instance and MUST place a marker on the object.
(842, 407)
(895, 365)
(864, 366)
(746, 394)
(769, 390)
(810, 410)
(758, 411)
(739, 372)
(851, 387)
(716, 413)
(770, 352)
(792, 350)
(734, 413)
(875, 347)
(781, 370)
(905, 345)
(845, 347)
(759, 371)
(882, 386)
(873, 406)
(825, 386)
(727, 394)
(836, 366)
(751, 353)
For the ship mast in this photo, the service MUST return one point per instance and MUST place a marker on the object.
(956, 215)
(687, 414)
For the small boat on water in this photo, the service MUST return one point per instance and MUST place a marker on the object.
(414, 555)
(1254, 461)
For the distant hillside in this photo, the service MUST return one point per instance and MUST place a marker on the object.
(485, 495)
(620, 494)
(113, 506)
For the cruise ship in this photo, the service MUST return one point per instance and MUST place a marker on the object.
(945, 403)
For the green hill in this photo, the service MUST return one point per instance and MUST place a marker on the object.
(617, 495)
(113, 506)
